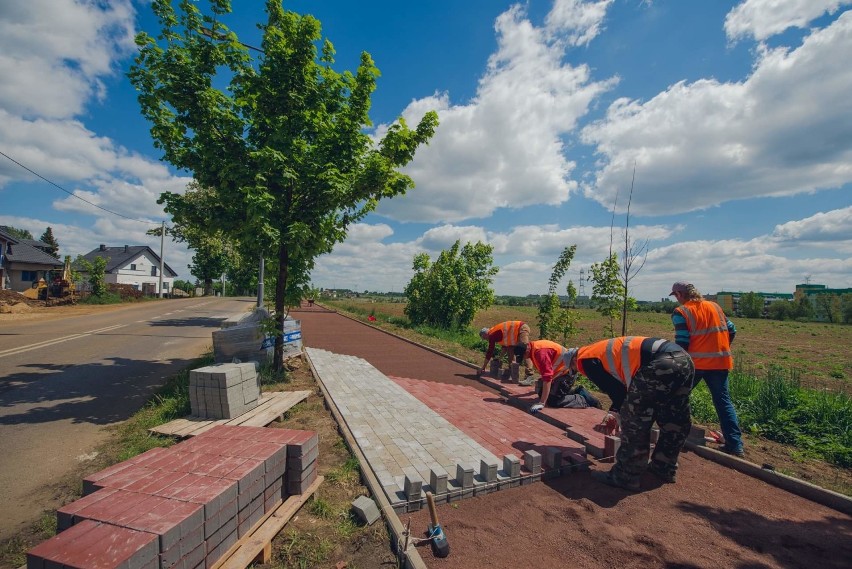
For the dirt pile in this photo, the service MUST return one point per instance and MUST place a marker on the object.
(12, 302)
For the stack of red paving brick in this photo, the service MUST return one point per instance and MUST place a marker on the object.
(181, 507)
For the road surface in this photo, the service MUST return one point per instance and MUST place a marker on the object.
(64, 380)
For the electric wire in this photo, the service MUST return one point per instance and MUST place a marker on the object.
(34, 173)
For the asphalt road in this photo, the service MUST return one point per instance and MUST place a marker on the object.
(64, 380)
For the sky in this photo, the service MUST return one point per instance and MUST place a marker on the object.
(726, 127)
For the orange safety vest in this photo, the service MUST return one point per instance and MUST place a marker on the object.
(560, 366)
(621, 357)
(511, 330)
(709, 343)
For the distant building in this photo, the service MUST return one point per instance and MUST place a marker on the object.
(812, 291)
(730, 301)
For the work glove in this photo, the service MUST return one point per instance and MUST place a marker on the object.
(536, 407)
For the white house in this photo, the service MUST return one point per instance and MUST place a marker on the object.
(135, 265)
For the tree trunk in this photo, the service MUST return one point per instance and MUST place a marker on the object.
(208, 287)
(280, 313)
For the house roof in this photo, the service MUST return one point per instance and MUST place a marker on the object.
(117, 257)
(22, 252)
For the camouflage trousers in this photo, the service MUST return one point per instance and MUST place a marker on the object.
(658, 393)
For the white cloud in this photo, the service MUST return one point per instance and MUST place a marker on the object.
(504, 148)
(762, 19)
(55, 53)
(826, 229)
(783, 131)
(581, 20)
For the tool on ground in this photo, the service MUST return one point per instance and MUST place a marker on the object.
(440, 545)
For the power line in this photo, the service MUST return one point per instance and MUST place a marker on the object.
(34, 173)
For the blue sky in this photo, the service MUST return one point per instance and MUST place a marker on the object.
(736, 115)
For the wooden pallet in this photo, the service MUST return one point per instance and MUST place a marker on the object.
(256, 545)
(271, 407)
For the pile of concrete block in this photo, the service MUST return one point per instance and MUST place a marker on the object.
(223, 391)
(242, 338)
(184, 506)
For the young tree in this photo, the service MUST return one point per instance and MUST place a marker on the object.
(47, 237)
(633, 253)
(447, 293)
(608, 290)
(283, 147)
(95, 273)
(751, 305)
(553, 319)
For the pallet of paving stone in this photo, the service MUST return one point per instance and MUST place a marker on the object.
(271, 407)
(185, 506)
(256, 546)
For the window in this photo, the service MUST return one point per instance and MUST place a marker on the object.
(132, 266)
(165, 285)
(29, 275)
(153, 271)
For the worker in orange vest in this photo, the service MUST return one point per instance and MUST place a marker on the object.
(702, 329)
(508, 334)
(551, 360)
(649, 381)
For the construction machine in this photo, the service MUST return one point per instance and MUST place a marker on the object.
(62, 285)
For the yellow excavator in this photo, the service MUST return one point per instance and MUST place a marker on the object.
(61, 285)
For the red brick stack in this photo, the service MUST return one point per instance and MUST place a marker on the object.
(181, 507)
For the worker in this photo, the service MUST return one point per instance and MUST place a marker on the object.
(649, 381)
(508, 334)
(702, 329)
(558, 387)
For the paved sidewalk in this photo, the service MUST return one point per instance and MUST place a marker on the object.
(455, 441)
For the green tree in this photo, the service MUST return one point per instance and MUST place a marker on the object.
(608, 290)
(47, 237)
(18, 233)
(95, 273)
(447, 293)
(283, 147)
(802, 307)
(551, 320)
(183, 285)
(751, 305)
(828, 307)
(780, 310)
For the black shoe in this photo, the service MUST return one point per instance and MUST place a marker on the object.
(739, 453)
(662, 473)
(610, 480)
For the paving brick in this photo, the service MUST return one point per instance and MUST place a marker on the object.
(512, 466)
(438, 480)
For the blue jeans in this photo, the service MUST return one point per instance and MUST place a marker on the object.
(717, 383)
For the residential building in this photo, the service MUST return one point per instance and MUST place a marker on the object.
(135, 265)
(23, 262)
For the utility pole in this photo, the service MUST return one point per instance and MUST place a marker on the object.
(162, 262)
